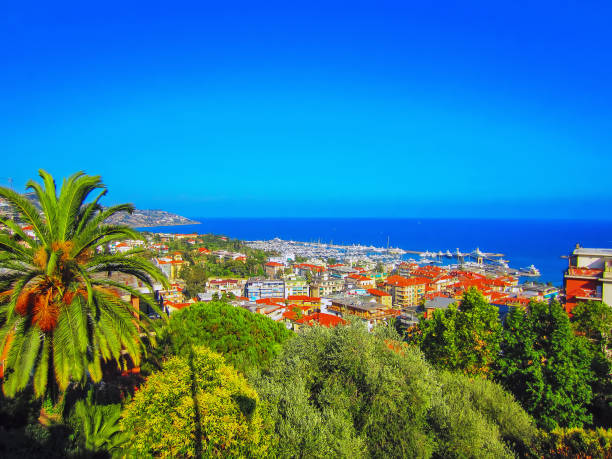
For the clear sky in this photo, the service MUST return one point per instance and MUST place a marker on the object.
(427, 109)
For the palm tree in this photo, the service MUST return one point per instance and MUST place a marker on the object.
(98, 427)
(61, 312)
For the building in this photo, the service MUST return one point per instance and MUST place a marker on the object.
(296, 287)
(325, 286)
(370, 311)
(256, 289)
(588, 277)
(381, 296)
(221, 286)
(406, 291)
(439, 302)
(273, 268)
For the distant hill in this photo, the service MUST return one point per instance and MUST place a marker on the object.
(140, 218)
(145, 218)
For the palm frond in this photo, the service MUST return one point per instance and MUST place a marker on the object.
(74, 191)
(28, 212)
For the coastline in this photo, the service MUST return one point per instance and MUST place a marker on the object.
(193, 222)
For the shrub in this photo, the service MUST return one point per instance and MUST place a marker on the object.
(578, 443)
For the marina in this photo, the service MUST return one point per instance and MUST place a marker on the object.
(476, 260)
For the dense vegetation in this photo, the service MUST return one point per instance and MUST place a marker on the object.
(246, 340)
(558, 376)
(344, 392)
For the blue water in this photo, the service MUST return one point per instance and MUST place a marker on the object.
(523, 242)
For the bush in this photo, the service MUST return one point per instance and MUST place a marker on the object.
(197, 406)
(578, 443)
(476, 417)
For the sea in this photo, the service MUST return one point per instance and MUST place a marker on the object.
(541, 243)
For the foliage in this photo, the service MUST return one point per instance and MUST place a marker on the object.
(546, 366)
(22, 435)
(59, 312)
(195, 278)
(196, 407)
(473, 412)
(344, 392)
(593, 319)
(97, 427)
(246, 340)
(465, 338)
(578, 443)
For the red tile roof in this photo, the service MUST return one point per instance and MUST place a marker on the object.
(399, 281)
(303, 298)
(270, 301)
(376, 292)
(327, 320)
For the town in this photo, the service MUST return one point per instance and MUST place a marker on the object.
(303, 284)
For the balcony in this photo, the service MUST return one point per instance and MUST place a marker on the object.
(585, 294)
(586, 273)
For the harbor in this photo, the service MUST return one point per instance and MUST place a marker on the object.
(491, 263)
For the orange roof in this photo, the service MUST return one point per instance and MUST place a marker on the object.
(177, 305)
(376, 292)
(273, 264)
(327, 320)
(270, 301)
(303, 298)
(399, 281)
(310, 267)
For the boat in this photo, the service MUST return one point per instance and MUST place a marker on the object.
(449, 254)
(530, 271)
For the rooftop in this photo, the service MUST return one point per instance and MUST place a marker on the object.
(593, 252)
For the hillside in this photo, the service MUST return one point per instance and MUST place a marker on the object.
(140, 218)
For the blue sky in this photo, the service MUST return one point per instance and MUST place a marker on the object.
(454, 109)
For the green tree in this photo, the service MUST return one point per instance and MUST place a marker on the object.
(593, 320)
(465, 338)
(59, 311)
(344, 392)
(246, 340)
(545, 366)
(197, 406)
(195, 278)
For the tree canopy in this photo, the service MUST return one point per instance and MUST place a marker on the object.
(546, 366)
(465, 338)
(246, 340)
(344, 392)
(197, 406)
